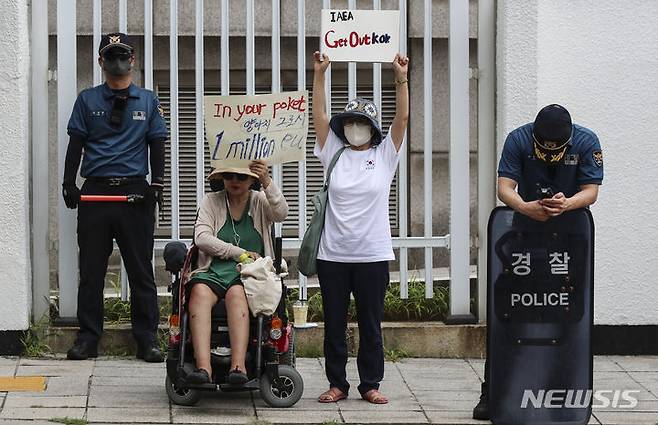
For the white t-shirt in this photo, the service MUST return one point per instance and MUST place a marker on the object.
(357, 227)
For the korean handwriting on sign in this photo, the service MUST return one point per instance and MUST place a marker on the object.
(521, 263)
(559, 262)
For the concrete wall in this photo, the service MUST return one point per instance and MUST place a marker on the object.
(15, 299)
(597, 58)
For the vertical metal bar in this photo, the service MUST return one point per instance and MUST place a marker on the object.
(428, 148)
(224, 65)
(148, 44)
(173, 78)
(98, 23)
(199, 81)
(123, 16)
(124, 281)
(326, 4)
(250, 48)
(403, 173)
(277, 170)
(351, 67)
(66, 93)
(486, 140)
(377, 74)
(458, 44)
(40, 266)
(301, 165)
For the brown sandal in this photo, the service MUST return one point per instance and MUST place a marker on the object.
(375, 397)
(332, 395)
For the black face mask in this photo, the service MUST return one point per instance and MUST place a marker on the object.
(117, 63)
(117, 67)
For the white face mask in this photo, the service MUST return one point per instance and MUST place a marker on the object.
(357, 134)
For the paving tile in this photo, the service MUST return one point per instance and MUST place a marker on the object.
(129, 371)
(453, 418)
(212, 416)
(61, 386)
(294, 416)
(388, 417)
(638, 363)
(17, 400)
(132, 396)
(105, 361)
(606, 364)
(59, 369)
(128, 415)
(24, 422)
(432, 395)
(8, 361)
(407, 403)
(302, 404)
(469, 384)
(627, 418)
(449, 405)
(7, 370)
(41, 413)
(156, 381)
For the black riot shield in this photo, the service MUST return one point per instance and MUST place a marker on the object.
(540, 316)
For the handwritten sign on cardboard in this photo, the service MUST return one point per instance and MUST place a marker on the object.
(272, 127)
(360, 35)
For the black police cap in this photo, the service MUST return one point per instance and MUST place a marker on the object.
(116, 39)
(553, 123)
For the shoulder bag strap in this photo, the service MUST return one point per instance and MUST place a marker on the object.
(332, 164)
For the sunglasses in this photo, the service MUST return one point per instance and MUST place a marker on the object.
(231, 176)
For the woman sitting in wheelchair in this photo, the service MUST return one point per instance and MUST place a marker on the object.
(231, 222)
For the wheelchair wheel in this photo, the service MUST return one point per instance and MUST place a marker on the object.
(284, 391)
(183, 397)
(289, 358)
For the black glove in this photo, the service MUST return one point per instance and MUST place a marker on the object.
(71, 195)
(158, 197)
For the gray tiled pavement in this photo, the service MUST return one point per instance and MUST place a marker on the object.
(439, 391)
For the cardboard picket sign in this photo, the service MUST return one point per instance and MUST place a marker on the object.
(360, 35)
(272, 127)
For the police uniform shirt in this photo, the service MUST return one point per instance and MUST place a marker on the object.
(121, 151)
(582, 163)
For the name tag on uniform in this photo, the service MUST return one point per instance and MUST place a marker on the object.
(571, 159)
(139, 115)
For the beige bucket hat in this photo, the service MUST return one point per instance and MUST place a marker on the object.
(217, 172)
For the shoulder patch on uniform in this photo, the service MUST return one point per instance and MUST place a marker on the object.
(161, 110)
(597, 155)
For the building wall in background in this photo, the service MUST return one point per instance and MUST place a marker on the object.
(597, 58)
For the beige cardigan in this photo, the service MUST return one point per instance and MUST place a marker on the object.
(266, 207)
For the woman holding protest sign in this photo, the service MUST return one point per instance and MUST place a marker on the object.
(232, 224)
(355, 245)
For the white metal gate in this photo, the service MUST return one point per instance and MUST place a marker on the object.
(458, 241)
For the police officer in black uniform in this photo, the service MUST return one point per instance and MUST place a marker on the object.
(546, 168)
(121, 129)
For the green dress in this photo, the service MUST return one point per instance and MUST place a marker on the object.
(223, 273)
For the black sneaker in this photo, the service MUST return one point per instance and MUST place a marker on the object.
(150, 353)
(237, 378)
(199, 376)
(82, 350)
(481, 411)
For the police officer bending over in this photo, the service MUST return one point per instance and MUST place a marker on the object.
(556, 166)
(120, 127)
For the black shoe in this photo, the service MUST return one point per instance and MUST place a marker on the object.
(481, 411)
(82, 350)
(199, 376)
(237, 378)
(150, 354)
